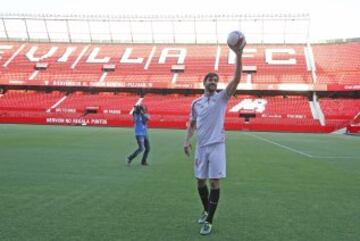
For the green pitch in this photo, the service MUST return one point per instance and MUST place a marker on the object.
(72, 184)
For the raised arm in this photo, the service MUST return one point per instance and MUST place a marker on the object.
(231, 87)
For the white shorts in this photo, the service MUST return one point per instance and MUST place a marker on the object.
(210, 161)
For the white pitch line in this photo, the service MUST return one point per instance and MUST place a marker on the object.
(281, 145)
(336, 157)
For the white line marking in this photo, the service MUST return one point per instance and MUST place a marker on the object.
(34, 74)
(336, 157)
(248, 79)
(56, 104)
(137, 103)
(301, 152)
(79, 57)
(174, 78)
(150, 58)
(281, 145)
(103, 76)
(217, 59)
(14, 55)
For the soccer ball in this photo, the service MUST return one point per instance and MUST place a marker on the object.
(236, 40)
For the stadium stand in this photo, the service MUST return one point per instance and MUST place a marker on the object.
(21, 100)
(339, 112)
(79, 64)
(66, 77)
(272, 113)
(340, 108)
(104, 102)
(354, 126)
(337, 63)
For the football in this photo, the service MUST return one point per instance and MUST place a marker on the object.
(236, 40)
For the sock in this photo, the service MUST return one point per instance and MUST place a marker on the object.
(213, 201)
(204, 196)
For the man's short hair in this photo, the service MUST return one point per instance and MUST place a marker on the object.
(209, 75)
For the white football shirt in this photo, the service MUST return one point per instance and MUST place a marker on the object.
(209, 114)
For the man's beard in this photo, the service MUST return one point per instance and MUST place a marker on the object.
(212, 87)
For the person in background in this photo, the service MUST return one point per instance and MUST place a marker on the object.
(140, 118)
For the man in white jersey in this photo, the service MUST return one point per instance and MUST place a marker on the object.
(207, 118)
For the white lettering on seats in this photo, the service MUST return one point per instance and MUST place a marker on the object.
(180, 55)
(30, 54)
(248, 53)
(14, 55)
(4, 47)
(92, 57)
(66, 55)
(269, 56)
(148, 61)
(83, 51)
(257, 105)
(127, 60)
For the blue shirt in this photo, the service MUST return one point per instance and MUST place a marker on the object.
(140, 124)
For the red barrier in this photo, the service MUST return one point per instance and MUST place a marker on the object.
(353, 129)
(163, 123)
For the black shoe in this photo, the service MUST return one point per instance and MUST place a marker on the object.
(128, 161)
(144, 164)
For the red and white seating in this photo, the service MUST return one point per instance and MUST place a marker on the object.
(144, 65)
(22, 100)
(337, 63)
(273, 113)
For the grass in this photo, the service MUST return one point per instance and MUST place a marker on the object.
(72, 184)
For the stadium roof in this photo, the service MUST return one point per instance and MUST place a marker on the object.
(185, 28)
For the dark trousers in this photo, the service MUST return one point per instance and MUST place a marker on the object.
(143, 146)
